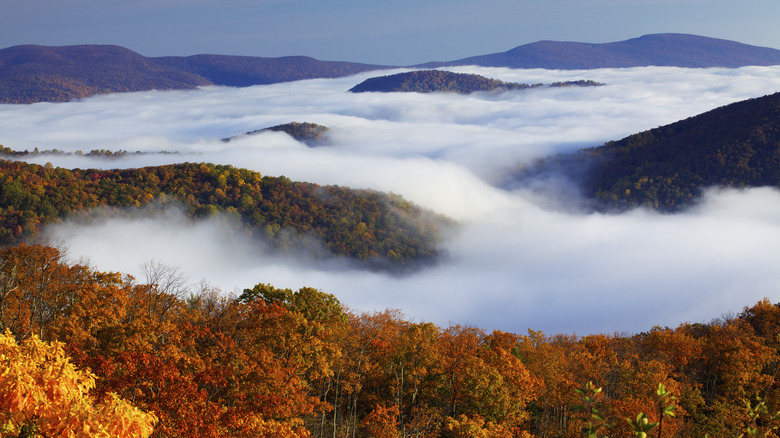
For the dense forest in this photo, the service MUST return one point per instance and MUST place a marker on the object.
(667, 168)
(378, 230)
(310, 134)
(281, 363)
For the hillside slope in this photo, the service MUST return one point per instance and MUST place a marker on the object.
(669, 49)
(737, 145)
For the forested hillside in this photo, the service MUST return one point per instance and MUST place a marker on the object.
(669, 167)
(283, 363)
(380, 231)
(737, 145)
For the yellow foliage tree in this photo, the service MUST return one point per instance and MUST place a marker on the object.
(43, 394)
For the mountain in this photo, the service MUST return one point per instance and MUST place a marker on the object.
(56, 74)
(668, 168)
(242, 71)
(668, 49)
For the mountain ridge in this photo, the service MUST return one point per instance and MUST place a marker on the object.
(34, 73)
(664, 49)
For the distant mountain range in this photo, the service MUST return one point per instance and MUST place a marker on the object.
(53, 74)
(56, 74)
(667, 49)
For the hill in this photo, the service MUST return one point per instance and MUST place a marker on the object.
(310, 134)
(667, 168)
(429, 81)
(377, 230)
(32, 73)
(669, 49)
(55, 74)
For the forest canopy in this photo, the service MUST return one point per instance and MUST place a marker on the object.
(297, 363)
(377, 230)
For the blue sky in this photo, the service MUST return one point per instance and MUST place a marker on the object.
(399, 32)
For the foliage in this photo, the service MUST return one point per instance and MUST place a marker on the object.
(594, 417)
(43, 394)
(297, 363)
(378, 230)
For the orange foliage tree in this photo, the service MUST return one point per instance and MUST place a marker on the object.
(43, 394)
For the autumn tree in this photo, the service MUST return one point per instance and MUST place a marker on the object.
(43, 394)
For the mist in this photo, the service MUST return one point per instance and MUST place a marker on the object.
(518, 260)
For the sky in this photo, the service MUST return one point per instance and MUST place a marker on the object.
(520, 258)
(401, 32)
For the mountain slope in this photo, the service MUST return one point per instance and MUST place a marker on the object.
(56, 74)
(53, 74)
(737, 145)
(668, 49)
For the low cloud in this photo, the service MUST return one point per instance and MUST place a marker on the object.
(519, 260)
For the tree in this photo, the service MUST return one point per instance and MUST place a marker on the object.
(43, 394)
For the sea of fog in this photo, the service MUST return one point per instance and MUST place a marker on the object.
(520, 259)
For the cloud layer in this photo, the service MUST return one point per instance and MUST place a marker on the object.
(516, 263)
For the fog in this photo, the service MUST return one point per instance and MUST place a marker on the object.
(519, 260)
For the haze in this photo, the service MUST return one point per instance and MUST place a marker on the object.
(520, 258)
